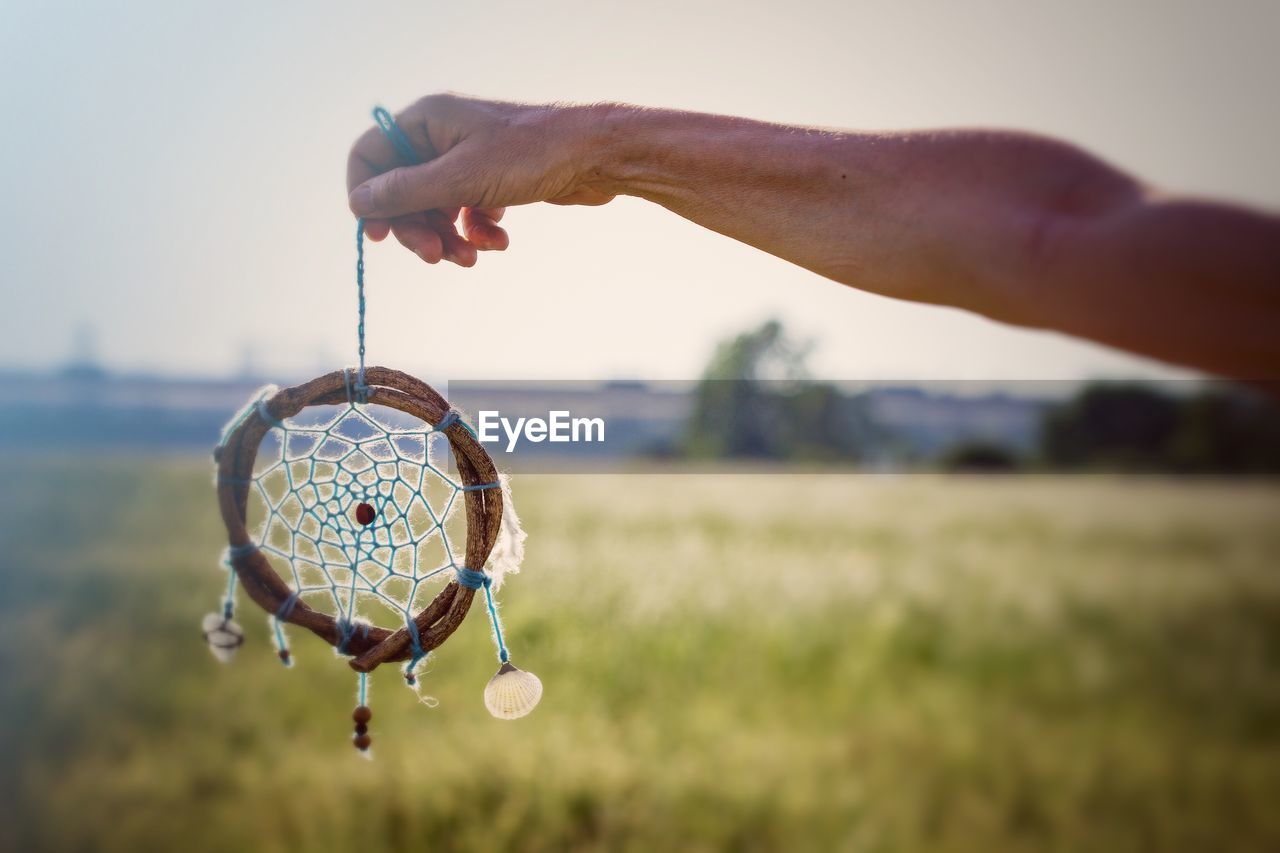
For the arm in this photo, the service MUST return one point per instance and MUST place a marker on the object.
(1018, 228)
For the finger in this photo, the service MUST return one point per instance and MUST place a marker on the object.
(374, 154)
(459, 250)
(419, 237)
(456, 247)
(453, 247)
(377, 229)
(441, 183)
(483, 232)
(441, 221)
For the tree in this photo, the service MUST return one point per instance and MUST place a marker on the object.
(1111, 425)
(755, 401)
(1222, 429)
(732, 415)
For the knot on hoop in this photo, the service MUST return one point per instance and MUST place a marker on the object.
(451, 417)
(236, 551)
(286, 606)
(471, 579)
(239, 419)
(357, 390)
(265, 414)
(417, 652)
(347, 630)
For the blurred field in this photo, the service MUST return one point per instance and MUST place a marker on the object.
(739, 662)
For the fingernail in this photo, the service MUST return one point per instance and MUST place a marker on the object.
(361, 199)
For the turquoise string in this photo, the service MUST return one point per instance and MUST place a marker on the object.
(286, 606)
(418, 653)
(404, 148)
(493, 617)
(470, 579)
(451, 417)
(475, 580)
(265, 414)
(282, 645)
(229, 603)
(362, 390)
(242, 416)
(241, 550)
(277, 625)
(396, 136)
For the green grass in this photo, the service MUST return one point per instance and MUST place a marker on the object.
(732, 662)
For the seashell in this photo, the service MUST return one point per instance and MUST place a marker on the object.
(512, 693)
(223, 635)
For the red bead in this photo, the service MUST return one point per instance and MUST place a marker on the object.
(365, 514)
(362, 742)
(284, 655)
(362, 714)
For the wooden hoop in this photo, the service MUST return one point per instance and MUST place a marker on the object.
(396, 390)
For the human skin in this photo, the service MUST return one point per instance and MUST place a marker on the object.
(1016, 227)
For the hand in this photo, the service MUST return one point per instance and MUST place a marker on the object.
(478, 158)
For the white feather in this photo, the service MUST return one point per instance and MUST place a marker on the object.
(508, 549)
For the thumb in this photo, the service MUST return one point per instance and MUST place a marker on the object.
(411, 189)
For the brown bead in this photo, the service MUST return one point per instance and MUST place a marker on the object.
(283, 655)
(362, 714)
(362, 742)
(361, 728)
(365, 514)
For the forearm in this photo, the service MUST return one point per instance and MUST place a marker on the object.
(936, 217)
(816, 198)
(1019, 228)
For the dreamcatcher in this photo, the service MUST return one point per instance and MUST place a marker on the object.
(356, 520)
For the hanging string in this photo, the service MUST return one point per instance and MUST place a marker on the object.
(396, 136)
(399, 141)
(472, 579)
(362, 390)
(229, 603)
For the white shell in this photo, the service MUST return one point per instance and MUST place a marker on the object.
(512, 693)
(223, 636)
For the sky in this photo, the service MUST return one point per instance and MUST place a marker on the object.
(173, 173)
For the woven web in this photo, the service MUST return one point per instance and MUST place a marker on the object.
(310, 490)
